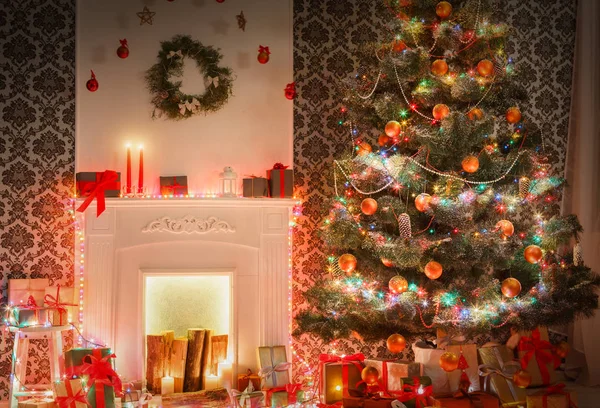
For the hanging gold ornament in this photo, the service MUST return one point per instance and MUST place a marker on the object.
(475, 114)
(370, 375)
(443, 9)
(404, 226)
(511, 287)
(513, 115)
(398, 285)
(387, 262)
(422, 202)
(533, 254)
(393, 128)
(485, 68)
(433, 270)
(449, 361)
(507, 227)
(347, 263)
(440, 111)
(383, 140)
(522, 379)
(368, 206)
(396, 343)
(364, 148)
(470, 164)
(524, 184)
(439, 67)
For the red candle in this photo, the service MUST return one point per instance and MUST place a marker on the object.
(128, 168)
(141, 174)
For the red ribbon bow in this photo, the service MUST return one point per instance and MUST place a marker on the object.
(279, 166)
(542, 350)
(417, 392)
(70, 401)
(54, 302)
(101, 373)
(264, 49)
(31, 303)
(96, 190)
(175, 186)
(557, 389)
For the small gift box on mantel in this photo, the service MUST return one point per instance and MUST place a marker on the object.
(274, 367)
(281, 181)
(88, 182)
(256, 187)
(173, 186)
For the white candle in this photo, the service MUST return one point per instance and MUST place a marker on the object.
(211, 382)
(167, 385)
(225, 372)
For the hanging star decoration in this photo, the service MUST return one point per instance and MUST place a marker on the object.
(146, 16)
(241, 19)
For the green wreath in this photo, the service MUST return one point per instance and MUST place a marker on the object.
(167, 97)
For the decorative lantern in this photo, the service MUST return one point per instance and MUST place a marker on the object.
(228, 182)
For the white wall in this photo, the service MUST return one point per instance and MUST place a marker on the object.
(254, 129)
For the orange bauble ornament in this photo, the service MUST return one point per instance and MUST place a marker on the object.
(383, 140)
(368, 206)
(396, 343)
(398, 284)
(475, 114)
(562, 350)
(422, 202)
(387, 262)
(440, 111)
(522, 379)
(364, 148)
(485, 68)
(392, 128)
(511, 287)
(370, 375)
(347, 263)
(507, 227)
(513, 115)
(439, 67)
(449, 361)
(433, 270)
(443, 9)
(470, 164)
(533, 254)
(398, 46)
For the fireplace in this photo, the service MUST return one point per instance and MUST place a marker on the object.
(140, 252)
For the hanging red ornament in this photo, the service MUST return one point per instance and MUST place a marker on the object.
(290, 91)
(522, 379)
(485, 68)
(440, 111)
(92, 83)
(364, 148)
(396, 343)
(443, 9)
(511, 287)
(123, 50)
(507, 227)
(533, 254)
(387, 262)
(368, 206)
(398, 46)
(263, 54)
(513, 115)
(383, 140)
(392, 128)
(433, 270)
(562, 349)
(220, 1)
(470, 164)
(422, 202)
(347, 263)
(439, 67)
(475, 114)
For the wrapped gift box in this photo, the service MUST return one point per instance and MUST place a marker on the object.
(533, 345)
(256, 187)
(414, 388)
(19, 290)
(177, 185)
(554, 397)
(135, 398)
(25, 317)
(70, 390)
(274, 367)
(37, 403)
(394, 371)
(64, 304)
(360, 402)
(473, 400)
(283, 398)
(245, 379)
(86, 182)
(332, 381)
(281, 183)
(74, 364)
(500, 358)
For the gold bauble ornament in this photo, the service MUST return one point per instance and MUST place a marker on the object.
(507, 227)
(439, 67)
(443, 9)
(440, 111)
(533, 254)
(475, 114)
(422, 202)
(383, 140)
(470, 164)
(522, 379)
(368, 206)
(513, 115)
(396, 343)
(398, 285)
(387, 262)
(485, 68)
(393, 128)
(433, 270)
(562, 350)
(364, 148)
(449, 361)
(347, 263)
(511, 287)
(370, 375)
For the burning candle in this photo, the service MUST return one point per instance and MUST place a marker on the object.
(225, 371)
(128, 168)
(141, 174)
(211, 382)
(167, 385)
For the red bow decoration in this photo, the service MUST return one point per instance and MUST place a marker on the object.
(175, 186)
(96, 190)
(101, 373)
(291, 390)
(262, 49)
(54, 302)
(71, 400)
(279, 166)
(417, 392)
(290, 91)
(124, 42)
(557, 389)
(31, 303)
(542, 350)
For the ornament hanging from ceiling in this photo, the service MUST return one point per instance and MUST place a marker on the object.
(123, 50)
(92, 83)
(263, 54)
(241, 20)
(146, 16)
(290, 91)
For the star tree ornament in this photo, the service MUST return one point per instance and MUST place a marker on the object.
(241, 20)
(146, 16)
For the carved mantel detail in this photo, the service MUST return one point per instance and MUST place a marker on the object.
(189, 225)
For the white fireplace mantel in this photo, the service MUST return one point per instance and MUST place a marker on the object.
(247, 237)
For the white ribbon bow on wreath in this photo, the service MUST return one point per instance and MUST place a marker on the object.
(212, 81)
(175, 54)
(191, 106)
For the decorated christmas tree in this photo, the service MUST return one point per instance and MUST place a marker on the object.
(445, 213)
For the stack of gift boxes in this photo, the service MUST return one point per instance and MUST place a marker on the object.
(279, 183)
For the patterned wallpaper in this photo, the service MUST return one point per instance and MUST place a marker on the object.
(326, 35)
(37, 153)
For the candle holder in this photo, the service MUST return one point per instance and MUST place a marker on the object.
(134, 192)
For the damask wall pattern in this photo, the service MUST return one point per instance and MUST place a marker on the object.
(326, 34)
(37, 153)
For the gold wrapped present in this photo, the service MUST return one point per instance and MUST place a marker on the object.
(536, 355)
(63, 303)
(274, 367)
(556, 396)
(497, 369)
